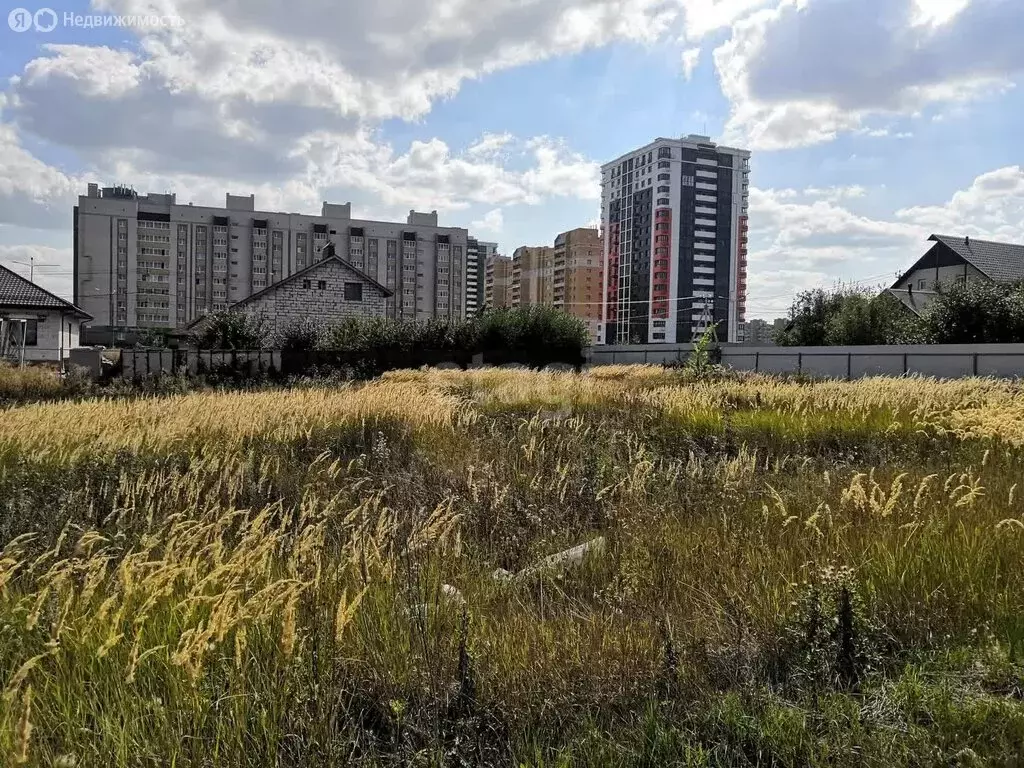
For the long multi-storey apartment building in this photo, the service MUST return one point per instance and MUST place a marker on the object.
(498, 281)
(148, 262)
(674, 217)
(576, 276)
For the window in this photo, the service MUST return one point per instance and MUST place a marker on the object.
(305, 284)
(321, 284)
(663, 201)
(664, 190)
(920, 285)
(31, 333)
(664, 176)
(353, 291)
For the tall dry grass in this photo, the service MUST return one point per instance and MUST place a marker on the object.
(793, 573)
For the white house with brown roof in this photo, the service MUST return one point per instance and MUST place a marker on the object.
(35, 325)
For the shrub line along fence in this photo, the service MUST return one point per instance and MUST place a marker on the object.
(942, 361)
(154, 362)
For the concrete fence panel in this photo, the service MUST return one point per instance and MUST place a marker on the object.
(1001, 366)
(940, 361)
(740, 361)
(862, 365)
(950, 366)
(779, 363)
(826, 366)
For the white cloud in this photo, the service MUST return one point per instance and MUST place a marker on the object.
(801, 241)
(32, 193)
(430, 175)
(836, 193)
(935, 13)
(490, 145)
(807, 70)
(690, 60)
(706, 16)
(492, 223)
(388, 58)
(992, 207)
(52, 266)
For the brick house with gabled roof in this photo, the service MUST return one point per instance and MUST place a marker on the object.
(326, 292)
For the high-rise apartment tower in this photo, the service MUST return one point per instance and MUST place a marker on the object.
(674, 218)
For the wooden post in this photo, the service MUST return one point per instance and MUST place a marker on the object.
(24, 338)
(757, 362)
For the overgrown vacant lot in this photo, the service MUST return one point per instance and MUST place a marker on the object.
(792, 574)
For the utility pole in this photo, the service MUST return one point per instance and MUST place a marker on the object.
(31, 264)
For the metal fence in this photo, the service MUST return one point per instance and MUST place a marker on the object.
(942, 361)
(946, 361)
(155, 362)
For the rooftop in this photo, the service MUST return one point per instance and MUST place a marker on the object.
(16, 291)
(1002, 262)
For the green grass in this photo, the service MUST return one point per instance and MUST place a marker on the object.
(794, 574)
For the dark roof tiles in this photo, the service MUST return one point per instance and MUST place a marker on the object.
(16, 291)
(1002, 262)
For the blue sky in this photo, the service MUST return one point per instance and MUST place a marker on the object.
(872, 122)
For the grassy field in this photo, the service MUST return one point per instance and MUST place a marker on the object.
(789, 574)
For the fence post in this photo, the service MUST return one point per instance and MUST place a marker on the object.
(757, 362)
(849, 366)
(975, 363)
(904, 363)
(799, 362)
(646, 357)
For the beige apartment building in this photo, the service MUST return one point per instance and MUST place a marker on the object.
(532, 272)
(568, 276)
(145, 261)
(498, 281)
(576, 276)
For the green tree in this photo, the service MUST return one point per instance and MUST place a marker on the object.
(847, 316)
(975, 313)
(232, 330)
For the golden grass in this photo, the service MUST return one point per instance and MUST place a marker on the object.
(240, 568)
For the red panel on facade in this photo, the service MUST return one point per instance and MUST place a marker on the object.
(661, 290)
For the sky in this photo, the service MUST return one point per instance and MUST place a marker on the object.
(872, 123)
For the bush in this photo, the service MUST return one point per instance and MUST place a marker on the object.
(302, 336)
(975, 313)
(232, 330)
(847, 316)
(534, 336)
